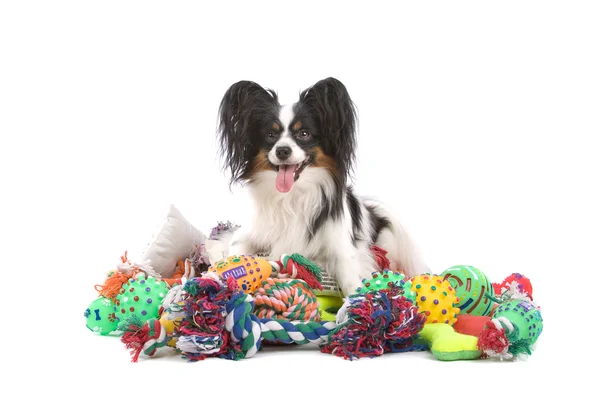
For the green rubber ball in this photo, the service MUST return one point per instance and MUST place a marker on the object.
(140, 296)
(472, 288)
(99, 316)
(385, 280)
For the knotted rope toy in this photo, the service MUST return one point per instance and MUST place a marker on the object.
(375, 323)
(219, 322)
(146, 337)
(288, 299)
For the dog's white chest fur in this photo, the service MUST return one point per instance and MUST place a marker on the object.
(283, 222)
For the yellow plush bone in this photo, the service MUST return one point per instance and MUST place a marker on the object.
(447, 345)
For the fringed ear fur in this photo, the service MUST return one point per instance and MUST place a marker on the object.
(330, 102)
(242, 108)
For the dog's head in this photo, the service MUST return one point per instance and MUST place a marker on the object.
(257, 134)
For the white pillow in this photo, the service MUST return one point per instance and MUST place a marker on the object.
(173, 241)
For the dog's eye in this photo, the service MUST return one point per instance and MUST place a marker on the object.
(303, 135)
(271, 137)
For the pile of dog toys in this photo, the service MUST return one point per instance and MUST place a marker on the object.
(235, 306)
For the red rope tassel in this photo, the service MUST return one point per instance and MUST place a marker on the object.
(134, 339)
(492, 339)
(380, 257)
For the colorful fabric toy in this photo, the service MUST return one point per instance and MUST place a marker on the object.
(375, 323)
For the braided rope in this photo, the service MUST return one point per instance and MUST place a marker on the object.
(288, 299)
(242, 324)
(299, 332)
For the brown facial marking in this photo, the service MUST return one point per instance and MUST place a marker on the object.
(260, 163)
(297, 126)
(324, 161)
(276, 127)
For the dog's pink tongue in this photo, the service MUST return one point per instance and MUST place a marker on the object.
(285, 178)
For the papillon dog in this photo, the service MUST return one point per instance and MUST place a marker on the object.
(296, 161)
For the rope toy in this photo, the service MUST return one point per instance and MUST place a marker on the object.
(218, 319)
(296, 266)
(288, 299)
(146, 337)
(375, 323)
(116, 279)
(380, 256)
(219, 322)
(298, 332)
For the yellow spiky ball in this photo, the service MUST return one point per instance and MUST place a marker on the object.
(436, 298)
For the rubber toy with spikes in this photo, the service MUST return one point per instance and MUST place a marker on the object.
(385, 280)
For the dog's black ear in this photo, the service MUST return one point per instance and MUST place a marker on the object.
(243, 107)
(330, 103)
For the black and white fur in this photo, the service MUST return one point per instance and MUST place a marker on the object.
(317, 214)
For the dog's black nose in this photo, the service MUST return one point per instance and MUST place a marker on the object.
(283, 152)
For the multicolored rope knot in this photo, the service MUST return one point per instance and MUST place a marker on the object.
(296, 266)
(287, 299)
(218, 321)
(146, 337)
(374, 323)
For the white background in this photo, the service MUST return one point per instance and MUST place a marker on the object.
(478, 123)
